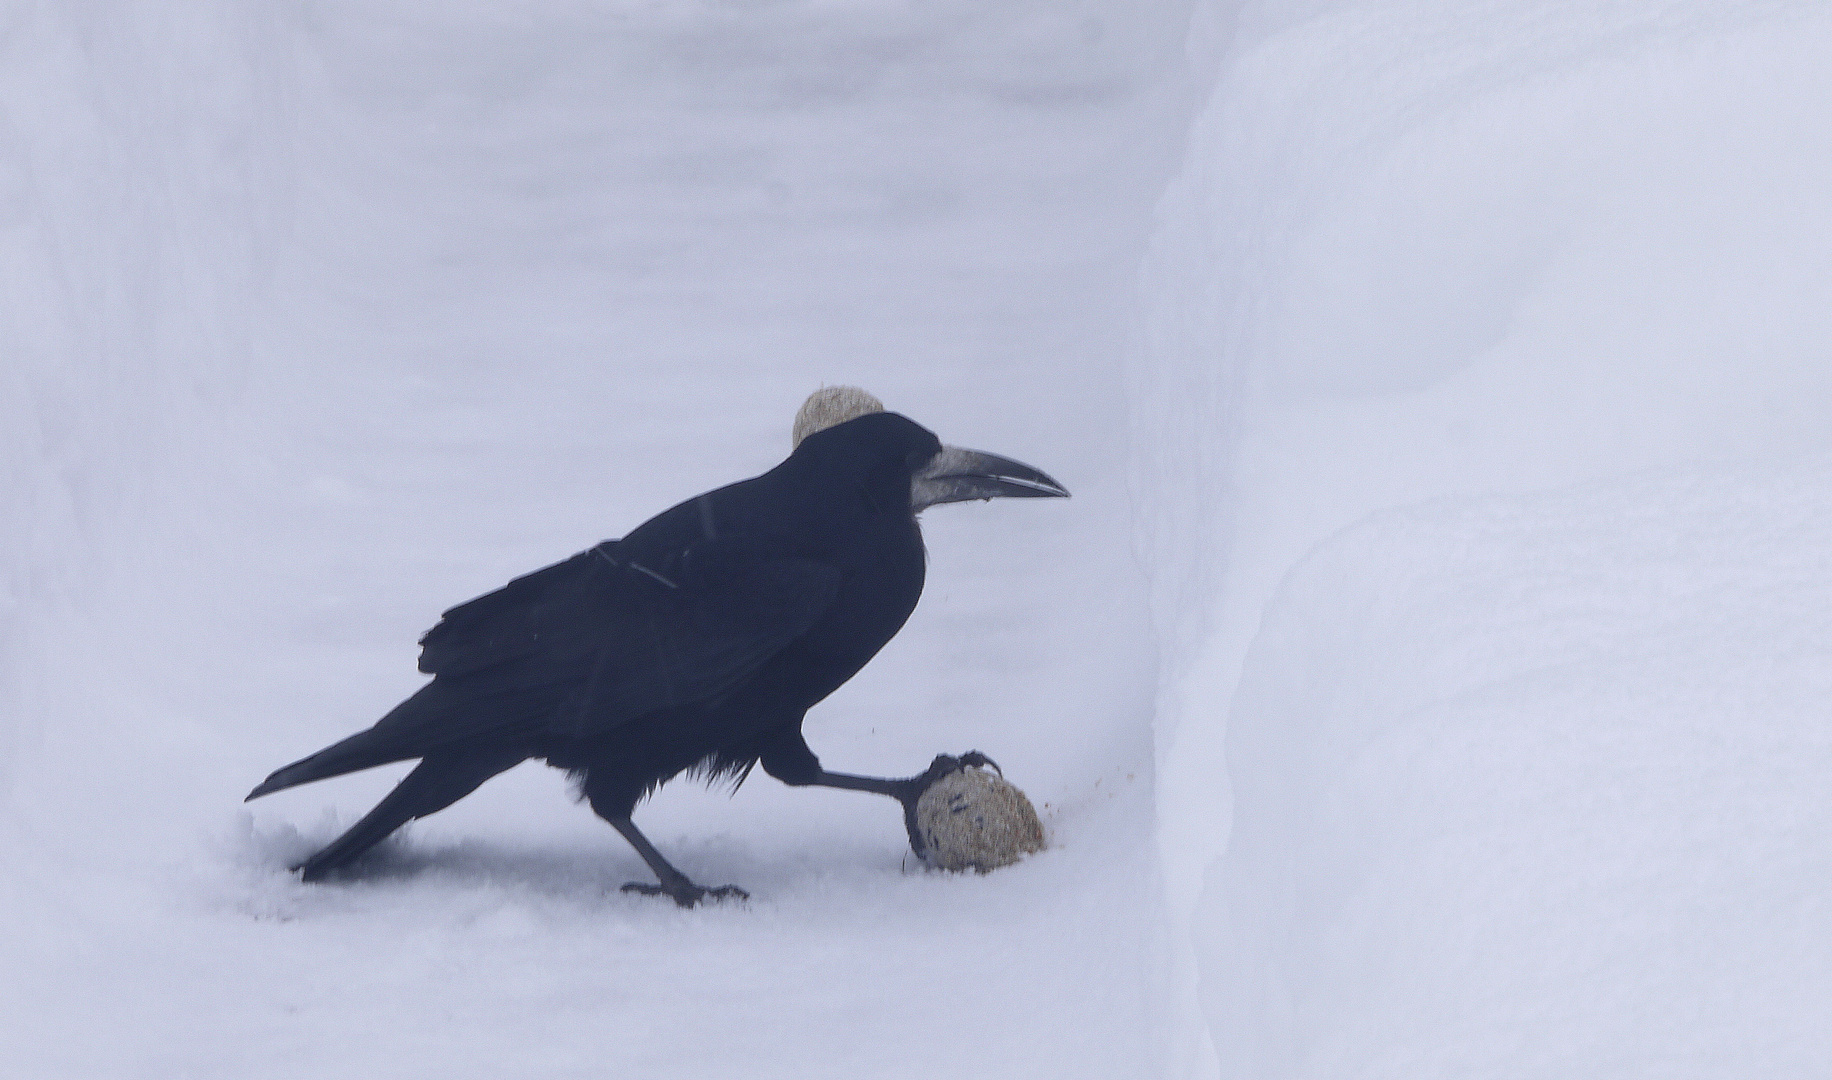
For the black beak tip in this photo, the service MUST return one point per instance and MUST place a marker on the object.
(1037, 485)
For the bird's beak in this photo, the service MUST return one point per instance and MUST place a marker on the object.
(957, 475)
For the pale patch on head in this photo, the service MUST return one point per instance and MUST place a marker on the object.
(832, 405)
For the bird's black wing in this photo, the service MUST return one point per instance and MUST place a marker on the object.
(602, 638)
(585, 645)
(501, 625)
(696, 633)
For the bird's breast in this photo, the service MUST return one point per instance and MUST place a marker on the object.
(874, 600)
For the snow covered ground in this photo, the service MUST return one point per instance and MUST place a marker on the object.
(322, 317)
(1451, 610)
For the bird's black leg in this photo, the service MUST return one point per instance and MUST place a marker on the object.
(612, 798)
(793, 763)
(673, 882)
(908, 791)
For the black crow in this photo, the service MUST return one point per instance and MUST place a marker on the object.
(697, 642)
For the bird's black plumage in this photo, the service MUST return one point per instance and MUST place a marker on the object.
(698, 640)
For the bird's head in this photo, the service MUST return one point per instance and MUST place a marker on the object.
(853, 424)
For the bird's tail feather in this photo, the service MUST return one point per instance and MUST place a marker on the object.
(414, 728)
(363, 750)
(437, 783)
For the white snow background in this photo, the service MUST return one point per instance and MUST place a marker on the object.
(1496, 341)
(1428, 678)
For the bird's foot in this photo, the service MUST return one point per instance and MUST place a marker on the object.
(948, 765)
(687, 894)
(910, 791)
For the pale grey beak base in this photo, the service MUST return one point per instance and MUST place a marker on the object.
(960, 475)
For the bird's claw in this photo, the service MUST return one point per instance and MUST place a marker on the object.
(948, 765)
(973, 759)
(689, 895)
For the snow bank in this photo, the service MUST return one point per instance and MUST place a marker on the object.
(138, 150)
(1516, 790)
(1534, 787)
